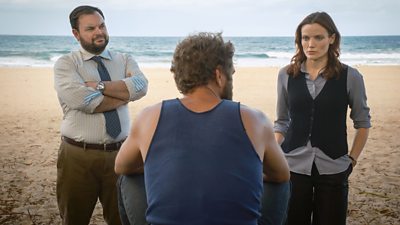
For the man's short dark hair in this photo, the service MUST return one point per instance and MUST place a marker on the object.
(82, 10)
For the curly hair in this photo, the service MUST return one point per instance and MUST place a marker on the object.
(333, 68)
(197, 57)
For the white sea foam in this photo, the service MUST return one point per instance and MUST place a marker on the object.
(43, 51)
(24, 62)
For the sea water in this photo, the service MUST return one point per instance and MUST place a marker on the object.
(43, 51)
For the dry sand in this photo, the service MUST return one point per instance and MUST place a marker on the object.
(29, 137)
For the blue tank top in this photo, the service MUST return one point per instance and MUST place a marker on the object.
(201, 168)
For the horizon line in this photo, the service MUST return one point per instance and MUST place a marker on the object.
(178, 36)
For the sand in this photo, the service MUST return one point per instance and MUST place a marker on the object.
(29, 138)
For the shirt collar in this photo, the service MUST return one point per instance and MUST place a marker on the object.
(304, 70)
(87, 55)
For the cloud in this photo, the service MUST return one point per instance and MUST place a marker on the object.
(178, 17)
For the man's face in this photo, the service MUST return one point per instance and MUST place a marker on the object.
(227, 92)
(92, 33)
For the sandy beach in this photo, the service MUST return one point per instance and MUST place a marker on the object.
(29, 132)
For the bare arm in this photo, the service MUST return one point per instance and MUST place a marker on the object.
(133, 152)
(115, 95)
(131, 88)
(115, 89)
(276, 168)
(360, 139)
(260, 132)
(116, 92)
(279, 137)
(129, 159)
(108, 104)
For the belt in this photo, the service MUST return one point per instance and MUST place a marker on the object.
(104, 147)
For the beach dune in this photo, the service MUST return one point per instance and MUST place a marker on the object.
(30, 118)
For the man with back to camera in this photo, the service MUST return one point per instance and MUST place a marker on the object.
(94, 87)
(204, 156)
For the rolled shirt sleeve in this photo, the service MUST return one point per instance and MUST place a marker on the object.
(281, 124)
(71, 88)
(360, 112)
(135, 81)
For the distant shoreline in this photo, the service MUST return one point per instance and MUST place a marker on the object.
(173, 36)
(43, 51)
(162, 68)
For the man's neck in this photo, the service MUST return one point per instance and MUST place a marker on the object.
(201, 99)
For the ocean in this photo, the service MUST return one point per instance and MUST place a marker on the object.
(43, 51)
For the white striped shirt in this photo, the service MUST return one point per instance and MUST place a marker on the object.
(78, 101)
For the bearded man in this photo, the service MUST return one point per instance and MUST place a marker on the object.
(94, 87)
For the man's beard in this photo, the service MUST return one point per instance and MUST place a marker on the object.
(92, 47)
(227, 92)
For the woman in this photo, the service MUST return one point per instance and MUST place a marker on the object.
(314, 93)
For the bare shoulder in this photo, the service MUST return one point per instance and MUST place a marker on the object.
(151, 110)
(258, 128)
(254, 116)
(144, 127)
(148, 115)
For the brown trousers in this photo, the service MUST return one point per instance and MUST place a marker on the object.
(83, 176)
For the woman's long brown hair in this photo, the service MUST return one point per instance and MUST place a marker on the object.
(333, 67)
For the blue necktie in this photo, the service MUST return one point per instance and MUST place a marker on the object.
(113, 125)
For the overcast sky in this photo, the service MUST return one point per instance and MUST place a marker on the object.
(181, 17)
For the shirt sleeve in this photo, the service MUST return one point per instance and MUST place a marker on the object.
(358, 99)
(135, 81)
(71, 88)
(282, 121)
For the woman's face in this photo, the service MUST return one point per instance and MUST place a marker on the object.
(315, 41)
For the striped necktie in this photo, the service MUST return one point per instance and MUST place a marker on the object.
(113, 125)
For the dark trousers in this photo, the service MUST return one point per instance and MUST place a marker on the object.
(132, 201)
(318, 199)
